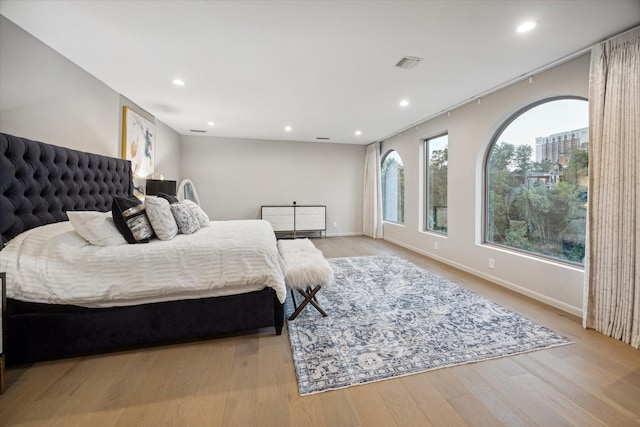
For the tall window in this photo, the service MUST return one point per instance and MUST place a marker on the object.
(437, 151)
(536, 180)
(392, 188)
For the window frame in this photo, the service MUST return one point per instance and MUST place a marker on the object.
(382, 176)
(426, 184)
(485, 177)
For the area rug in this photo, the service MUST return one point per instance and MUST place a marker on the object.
(389, 318)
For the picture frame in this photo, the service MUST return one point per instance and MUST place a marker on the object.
(138, 143)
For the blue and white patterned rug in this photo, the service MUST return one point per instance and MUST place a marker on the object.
(389, 318)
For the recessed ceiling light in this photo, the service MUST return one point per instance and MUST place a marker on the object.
(178, 82)
(211, 123)
(404, 103)
(358, 133)
(526, 26)
(287, 128)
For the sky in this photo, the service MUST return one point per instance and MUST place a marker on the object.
(546, 119)
(438, 143)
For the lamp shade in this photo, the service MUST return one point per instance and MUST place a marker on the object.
(155, 186)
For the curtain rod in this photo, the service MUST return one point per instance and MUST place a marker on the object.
(508, 83)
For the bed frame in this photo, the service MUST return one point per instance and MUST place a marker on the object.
(38, 183)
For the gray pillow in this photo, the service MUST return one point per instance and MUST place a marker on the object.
(203, 218)
(186, 220)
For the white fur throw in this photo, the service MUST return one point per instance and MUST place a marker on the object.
(306, 266)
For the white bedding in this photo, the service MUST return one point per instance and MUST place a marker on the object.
(53, 264)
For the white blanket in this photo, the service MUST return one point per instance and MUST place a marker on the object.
(53, 264)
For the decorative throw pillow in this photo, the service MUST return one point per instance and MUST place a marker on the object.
(128, 214)
(168, 197)
(186, 220)
(96, 228)
(160, 217)
(203, 218)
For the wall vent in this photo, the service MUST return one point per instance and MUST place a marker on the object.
(409, 62)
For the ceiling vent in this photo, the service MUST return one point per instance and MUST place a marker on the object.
(197, 130)
(409, 62)
(323, 138)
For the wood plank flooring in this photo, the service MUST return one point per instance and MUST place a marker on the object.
(249, 380)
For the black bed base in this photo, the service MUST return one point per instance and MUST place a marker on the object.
(37, 332)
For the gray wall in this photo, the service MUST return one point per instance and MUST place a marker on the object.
(46, 97)
(470, 129)
(234, 177)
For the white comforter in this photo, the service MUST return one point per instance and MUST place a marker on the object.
(53, 264)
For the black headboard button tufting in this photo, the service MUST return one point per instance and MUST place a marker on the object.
(39, 182)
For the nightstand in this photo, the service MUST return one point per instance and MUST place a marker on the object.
(3, 319)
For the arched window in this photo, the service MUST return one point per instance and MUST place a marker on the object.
(536, 180)
(436, 173)
(392, 188)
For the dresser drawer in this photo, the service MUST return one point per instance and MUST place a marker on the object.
(310, 218)
(280, 217)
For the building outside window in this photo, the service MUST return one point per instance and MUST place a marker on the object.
(392, 188)
(437, 152)
(537, 183)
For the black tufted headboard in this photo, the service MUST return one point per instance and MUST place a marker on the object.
(40, 182)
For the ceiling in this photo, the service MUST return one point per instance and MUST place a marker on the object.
(324, 68)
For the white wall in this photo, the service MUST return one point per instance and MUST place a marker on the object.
(470, 129)
(46, 97)
(234, 177)
(167, 161)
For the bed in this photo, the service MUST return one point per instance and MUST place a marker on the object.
(39, 184)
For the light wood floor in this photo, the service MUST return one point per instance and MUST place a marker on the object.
(249, 380)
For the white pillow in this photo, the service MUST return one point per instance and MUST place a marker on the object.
(96, 228)
(160, 217)
(201, 216)
(186, 220)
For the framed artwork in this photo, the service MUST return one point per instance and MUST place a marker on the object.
(138, 143)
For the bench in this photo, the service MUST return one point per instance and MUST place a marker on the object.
(307, 272)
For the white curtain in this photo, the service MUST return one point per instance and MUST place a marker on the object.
(612, 270)
(372, 200)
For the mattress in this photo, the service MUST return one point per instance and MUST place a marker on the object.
(52, 264)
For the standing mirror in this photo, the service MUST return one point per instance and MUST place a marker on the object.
(187, 191)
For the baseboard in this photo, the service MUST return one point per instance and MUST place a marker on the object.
(345, 234)
(317, 235)
(577, 311)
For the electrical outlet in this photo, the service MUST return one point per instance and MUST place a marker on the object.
(435, 245)
(335, 224)
(492, 263)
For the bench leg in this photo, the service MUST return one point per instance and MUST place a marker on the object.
(309, 297)
(314, 301)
